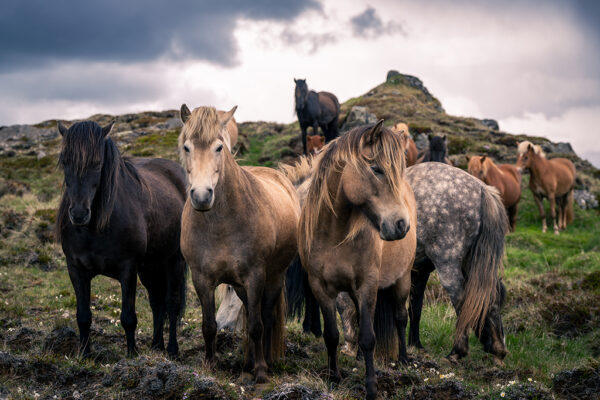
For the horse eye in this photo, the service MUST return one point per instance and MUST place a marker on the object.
(187, 149)
(376, 170)
(218, 149)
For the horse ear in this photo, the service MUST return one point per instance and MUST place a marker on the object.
(184, 113)
(430, 136)
(468, 158)
(529, 147)
(62, 129)
(375, 133)
(106, 129)
(295, 81)
(322, 139)
(227, 116)
(445, 138)
(482, 159)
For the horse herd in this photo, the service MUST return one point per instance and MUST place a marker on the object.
(360, 231)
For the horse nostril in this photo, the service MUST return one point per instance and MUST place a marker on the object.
(401, 225)
(192, 193)
(210, 191)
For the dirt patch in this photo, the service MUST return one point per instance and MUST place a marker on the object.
(591, 281)
(573, 317)
(14, 187)
(388, 382)
(448, 390)
(22, 339)
(581, 383)
(11, 222)
(521, 391)
(63, 341)
(296, 392)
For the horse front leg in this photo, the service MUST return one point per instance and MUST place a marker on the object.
(552, 200)
(206, 293)
(254, 293)
(315, 126)
(330, 331)
(419, 278)
(540, 205)
(128, 281)
(304, 128)
(81, 283)
(367, 298)
(401, 293)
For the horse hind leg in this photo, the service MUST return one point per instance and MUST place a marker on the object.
(552, 199)
(254, 293)
(269, 310)
(156, 296)
(175, 300)
(128, 280)
(540, 205)
(512, 212)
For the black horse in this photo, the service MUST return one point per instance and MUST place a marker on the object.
(314, 109)
(120, 217)
(437, 150)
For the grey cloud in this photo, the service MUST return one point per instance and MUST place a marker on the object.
(314, 40)
(369, 24)
(33, 32)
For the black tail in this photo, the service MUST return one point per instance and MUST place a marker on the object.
(384, 325)
(294, 288)
(183, 293)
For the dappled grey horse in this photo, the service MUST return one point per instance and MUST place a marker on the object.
(460, 233)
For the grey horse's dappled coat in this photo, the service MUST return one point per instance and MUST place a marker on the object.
(461, 228)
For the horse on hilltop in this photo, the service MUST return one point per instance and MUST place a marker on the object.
(503, 177)
(120, 217)
(554, 179)
(411, 151)
(224, 243)
(357, 234)
(314, 109)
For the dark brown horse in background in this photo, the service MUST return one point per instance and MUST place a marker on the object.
(120, 217)
(314, 109)
(554, 179)
(437, 150)
(503, 177)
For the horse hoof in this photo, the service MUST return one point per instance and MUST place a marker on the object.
(261, 377)
(246, 379)
(453, 359)
(498, 362)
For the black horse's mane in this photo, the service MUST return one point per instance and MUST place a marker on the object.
(82, 149)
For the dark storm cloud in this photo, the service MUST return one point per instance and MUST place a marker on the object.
(36, 31)
(369, 24)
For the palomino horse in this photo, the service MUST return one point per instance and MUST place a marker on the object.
(120, 217)
(437, 150)
(231, 137)
(239, 227)
(460, 233)
(314, 109)
(554, 179)
(503, 177)
(357, 209)
(315, 143)
(411, 149)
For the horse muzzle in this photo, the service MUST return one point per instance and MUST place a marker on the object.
(394, 231)
(80, 217)
(202, 200)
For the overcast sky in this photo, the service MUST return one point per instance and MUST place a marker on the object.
(532, 65)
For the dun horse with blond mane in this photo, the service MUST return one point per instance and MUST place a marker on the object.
(554, 179)
(224, 242)
(503, 177)
(411, 152)
(357, 234)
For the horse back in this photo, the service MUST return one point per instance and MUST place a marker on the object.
(564, 172)
(330, 102)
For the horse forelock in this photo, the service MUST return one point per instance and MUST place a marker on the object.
(82, 147)
(203, 125)
(387, 153)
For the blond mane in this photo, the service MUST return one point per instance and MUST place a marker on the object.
(388, 154)
(537, 149)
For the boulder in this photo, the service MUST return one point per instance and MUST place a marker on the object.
(358, 116)
(490, 123)
(585, 199)
(560, 147)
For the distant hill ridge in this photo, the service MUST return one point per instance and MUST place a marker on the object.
(400, 98)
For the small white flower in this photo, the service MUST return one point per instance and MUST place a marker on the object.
(502, 394)
(529, 379)
(354, 369)
(425, 380)
(231, 384)
(393, 364)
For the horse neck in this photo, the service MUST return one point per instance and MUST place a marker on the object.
(494, 173)
(539, 166)
(233, 187)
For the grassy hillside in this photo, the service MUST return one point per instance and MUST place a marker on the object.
(552, 315)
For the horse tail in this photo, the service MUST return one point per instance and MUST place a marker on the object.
(384, 325)
(483, 263)
(294, 288)
(278, 337)
(569, 207)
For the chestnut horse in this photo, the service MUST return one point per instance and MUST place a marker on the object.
(554, 179)
(224, 242)
(357, 234)
(411, 151)
(315, 143)
(503, 177)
